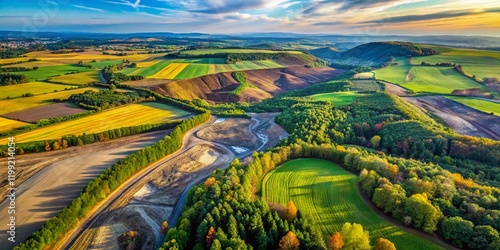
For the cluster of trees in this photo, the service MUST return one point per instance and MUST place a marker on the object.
(242, 79)
(105, 99)
(111, 75)
(13, 53)
(99, 188)
(17, 69)
(9, 79)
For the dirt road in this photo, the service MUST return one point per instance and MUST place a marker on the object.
(159, 194)
(47, 191)
(462, 119)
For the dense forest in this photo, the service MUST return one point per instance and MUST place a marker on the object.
(100, 187)
(449, 188)
(9, 79)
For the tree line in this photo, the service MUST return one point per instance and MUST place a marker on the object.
(100, 187)
(10, 79)
(104, 99)
(110, 74)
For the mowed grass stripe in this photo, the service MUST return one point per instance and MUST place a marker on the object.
(155, 68)
(329, 195)
(8, 124)
(23, 103)
(125, 116)
(35, 88)
(170, 71)
(193, 70)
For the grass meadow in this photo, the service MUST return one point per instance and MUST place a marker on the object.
(329, 195)
(479, 104)
(337, 98)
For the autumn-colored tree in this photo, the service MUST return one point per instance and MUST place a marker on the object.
(64, 144)
(47, 146)
(56, 145)
(290, 211)
(375, 141)
(209, 182)
(355, 237)
(210, 236)
(164, 227)
(289, 242)
(336, 242)
(384, 244)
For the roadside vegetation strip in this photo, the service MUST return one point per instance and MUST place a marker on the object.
(124, 116)
(24, 103)
(329, 195)
(9, 124)
(33, 88)
(479, 104)
(78, 78)
(99, 188)
(337, 98)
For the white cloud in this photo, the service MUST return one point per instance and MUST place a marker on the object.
(88, 8)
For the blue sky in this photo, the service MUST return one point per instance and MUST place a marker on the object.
(375, 17)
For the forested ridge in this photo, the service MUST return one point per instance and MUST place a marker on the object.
(411, 167)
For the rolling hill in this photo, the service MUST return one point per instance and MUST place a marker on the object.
(375, 54)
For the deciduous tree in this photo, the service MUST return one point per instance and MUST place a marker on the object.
(335, 241)
(289, 242)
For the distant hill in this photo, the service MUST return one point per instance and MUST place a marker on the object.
(375, 54)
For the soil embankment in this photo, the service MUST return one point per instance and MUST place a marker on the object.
(268, 83)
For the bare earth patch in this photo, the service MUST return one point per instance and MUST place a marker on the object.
(231, 132)
(462, 119)
(47, 182)
(45, 112)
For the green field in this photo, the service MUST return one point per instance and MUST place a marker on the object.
(483, 105)
(153, 69)
(482, 63)
(193, 70)
(215, 51)
(442, 80)
(394, 74)
(23, 103)
(8, 124)
(35, 88)
(125, 116)
(44, 73)
(329, 196)
(364, 85)
(78, 78)
(337, 98)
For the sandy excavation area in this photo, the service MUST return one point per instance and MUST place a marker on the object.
(49, 181)
(230, 132)
(156, 199)
(154, 202)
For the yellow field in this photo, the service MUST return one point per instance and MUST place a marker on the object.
(35, 64)
(87, 56)
(171, 71)
(12, 60)
(8, 124)
(23, 103)
(35, 88)
(78, 79)
(125, 116)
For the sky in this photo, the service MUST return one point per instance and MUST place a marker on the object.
(373, 17)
